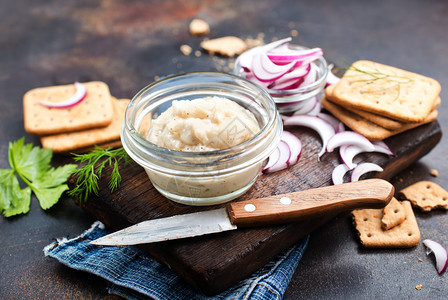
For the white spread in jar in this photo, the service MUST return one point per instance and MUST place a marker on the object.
(203, 124)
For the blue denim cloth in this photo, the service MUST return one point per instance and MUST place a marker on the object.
(134, 275)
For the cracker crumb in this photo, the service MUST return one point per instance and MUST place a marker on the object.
(420, 259)
(197, 53)
(294, 32)
(434, 172)
(227, 46)
(199, 27)
(418, 287)
(185, 49)
(252, 43)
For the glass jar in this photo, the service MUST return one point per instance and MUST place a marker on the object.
(208, 177)
(295, 99)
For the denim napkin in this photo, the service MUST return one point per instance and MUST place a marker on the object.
(133, 274)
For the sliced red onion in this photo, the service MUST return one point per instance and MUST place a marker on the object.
(273, 158)
(295, 146)
(80, 94)
(265, 70)
(330, 119)
(349, 138)
(290, 55)
(331, 78)
(310, 78)
(322, 127)
(364, 168)
(295, 73)
(307, 106)
(286, 85)
(337, 176)
(282, 162)
(439, 253)
(347, 153)
(380, 146)
(316, 109)
(291, 80)
(341, 127)
(245, 59)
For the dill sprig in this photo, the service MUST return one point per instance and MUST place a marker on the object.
(87, 175)
(392, 81)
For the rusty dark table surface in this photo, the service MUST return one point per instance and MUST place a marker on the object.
(129, 43)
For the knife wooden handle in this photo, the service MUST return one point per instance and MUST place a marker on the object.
(370, 193)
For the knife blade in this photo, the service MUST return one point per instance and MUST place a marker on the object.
(312, 203)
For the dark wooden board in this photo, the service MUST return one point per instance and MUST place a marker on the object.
(215, 262)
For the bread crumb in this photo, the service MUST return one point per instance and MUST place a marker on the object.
(418, 287)
(434, 172)
(185, 49)
(199, 27)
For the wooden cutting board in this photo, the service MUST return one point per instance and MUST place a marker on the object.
(213, 263)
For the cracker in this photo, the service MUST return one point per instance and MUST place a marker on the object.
(372, 235)
(401, 95)
(227, 46)
(113, 144)
(385, 122)
(65, 142)
(393, 214)
(377, 119)
(426, 195)
(199, 27)
(369, 129)
(94, 111)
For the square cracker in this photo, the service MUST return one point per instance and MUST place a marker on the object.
(372, 235)
(387, 91)
(94, 111)
(393, 214)
(377, 119)
(426, 195)
(370, 130)
(385, 122)
(65, 142)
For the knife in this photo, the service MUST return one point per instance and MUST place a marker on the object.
(312, 203)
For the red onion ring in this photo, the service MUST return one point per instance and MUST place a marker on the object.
(337, 176)
(295, 146)
(282, 162)
(322, 127)
(364, 168)
(80, 94)
(349, 138)
(440, 254)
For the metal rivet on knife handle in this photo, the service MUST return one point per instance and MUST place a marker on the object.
(312, 203)
(285, 200)
(249, 207)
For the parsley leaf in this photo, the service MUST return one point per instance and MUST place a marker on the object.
(32, 165)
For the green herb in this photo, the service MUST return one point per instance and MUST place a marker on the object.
(89, 174)
(388, 81)
(32, 165)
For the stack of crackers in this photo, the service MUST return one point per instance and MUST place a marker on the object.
(379, 101)
(395, 226)
(95, 121)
